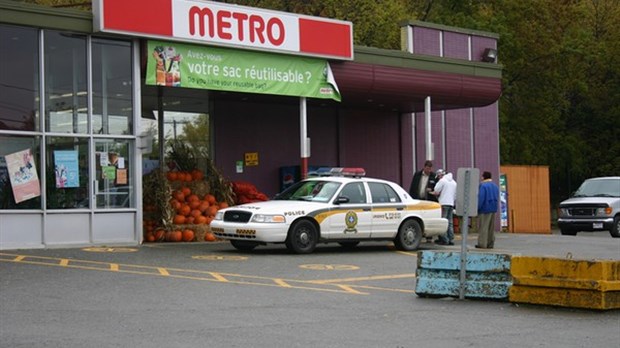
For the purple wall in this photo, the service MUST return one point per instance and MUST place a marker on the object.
(458, 140)
(426, 41)
(479, 44)
(455, 45)
(370, 139)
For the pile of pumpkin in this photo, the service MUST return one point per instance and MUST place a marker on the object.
(178, 207)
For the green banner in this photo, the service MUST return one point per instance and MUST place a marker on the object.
(183, 65)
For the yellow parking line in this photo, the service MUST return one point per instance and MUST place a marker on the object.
(282, 283)
(328, 285)
(357, 279)
(218, 277)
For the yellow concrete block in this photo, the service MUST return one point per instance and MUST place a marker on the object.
(599, 275)
(573, 298)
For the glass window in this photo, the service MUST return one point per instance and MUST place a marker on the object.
(27, 167)
(19, 78)
(112, 88)
(67, 173)
(65, 83)
(114, 185)
(355, 192)
(382, 193)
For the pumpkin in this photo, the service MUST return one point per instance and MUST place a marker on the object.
(179, 219)
(209, 237)
(187, 235)
(159, 235)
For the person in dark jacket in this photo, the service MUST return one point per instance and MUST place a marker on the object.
(423, 183)
(488, 201)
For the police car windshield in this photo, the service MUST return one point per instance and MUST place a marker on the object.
(312, 191)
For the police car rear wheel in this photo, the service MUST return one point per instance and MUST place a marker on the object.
(409, 236)
(302, 237)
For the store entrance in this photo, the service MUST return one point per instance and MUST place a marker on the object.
(181, 189)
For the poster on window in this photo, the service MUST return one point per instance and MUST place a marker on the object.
(23, 175)
(66, 169)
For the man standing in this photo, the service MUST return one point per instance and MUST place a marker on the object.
(446, 191)
(488, 198)
(423, 183)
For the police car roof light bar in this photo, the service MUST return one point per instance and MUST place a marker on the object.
(338, 171)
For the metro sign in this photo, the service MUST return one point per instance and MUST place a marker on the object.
(229, 25)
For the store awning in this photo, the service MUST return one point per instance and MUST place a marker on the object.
(404, 89)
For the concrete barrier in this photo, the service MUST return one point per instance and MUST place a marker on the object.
(487, 275)
(591, 284)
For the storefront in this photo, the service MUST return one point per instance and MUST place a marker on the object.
(78, 113)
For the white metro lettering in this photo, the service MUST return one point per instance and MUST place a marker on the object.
(222, 24)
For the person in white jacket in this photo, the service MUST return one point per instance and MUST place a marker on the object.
(445, 190)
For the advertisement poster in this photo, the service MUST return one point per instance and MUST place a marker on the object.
(184, 65)
(503, 198)
(23, 175)
(66, 169)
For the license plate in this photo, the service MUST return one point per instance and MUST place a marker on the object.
(598, 225)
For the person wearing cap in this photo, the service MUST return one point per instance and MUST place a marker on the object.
(445, 190)
(423, 182)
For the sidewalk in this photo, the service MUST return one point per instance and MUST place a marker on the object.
(584, 246)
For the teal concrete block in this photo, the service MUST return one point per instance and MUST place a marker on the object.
(487, 275)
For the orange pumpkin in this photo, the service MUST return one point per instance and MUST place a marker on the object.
(200, 220)
(210, 198)
(149, 237)
(195, 213)
(187, 235)
(159, 235)
(186, 191)
(179, 219)
(212, 210)
(185, 209)
(209, 237)
(223, 205)
(197, 174)
(178, 195)
(172, 176)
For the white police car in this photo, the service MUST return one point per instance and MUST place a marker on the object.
(343, 207)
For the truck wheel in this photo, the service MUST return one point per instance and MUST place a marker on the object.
(615, 228)
(568, 233)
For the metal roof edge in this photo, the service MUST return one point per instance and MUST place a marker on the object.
(423, 24)
(13, 12)
(402, 59)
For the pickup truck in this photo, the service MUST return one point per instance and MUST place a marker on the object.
(595, 206)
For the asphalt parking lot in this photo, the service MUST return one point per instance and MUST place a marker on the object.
(209, 294)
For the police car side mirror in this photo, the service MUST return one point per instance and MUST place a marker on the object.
(341, 200)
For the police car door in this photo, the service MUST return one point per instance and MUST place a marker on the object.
(387, 210)
(351, 217)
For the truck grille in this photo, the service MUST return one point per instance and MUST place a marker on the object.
(583, 210)
(237, 216)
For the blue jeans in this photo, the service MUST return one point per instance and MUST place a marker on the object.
(447, 213)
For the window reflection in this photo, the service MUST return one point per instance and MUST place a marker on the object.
(67, 173)
(11, 145)
(65, 83)
(19, 83)
(112, 87)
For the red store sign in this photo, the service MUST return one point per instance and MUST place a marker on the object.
(229, 25)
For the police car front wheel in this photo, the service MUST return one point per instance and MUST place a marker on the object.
(302, 237)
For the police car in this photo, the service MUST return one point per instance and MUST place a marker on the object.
(336, 205)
